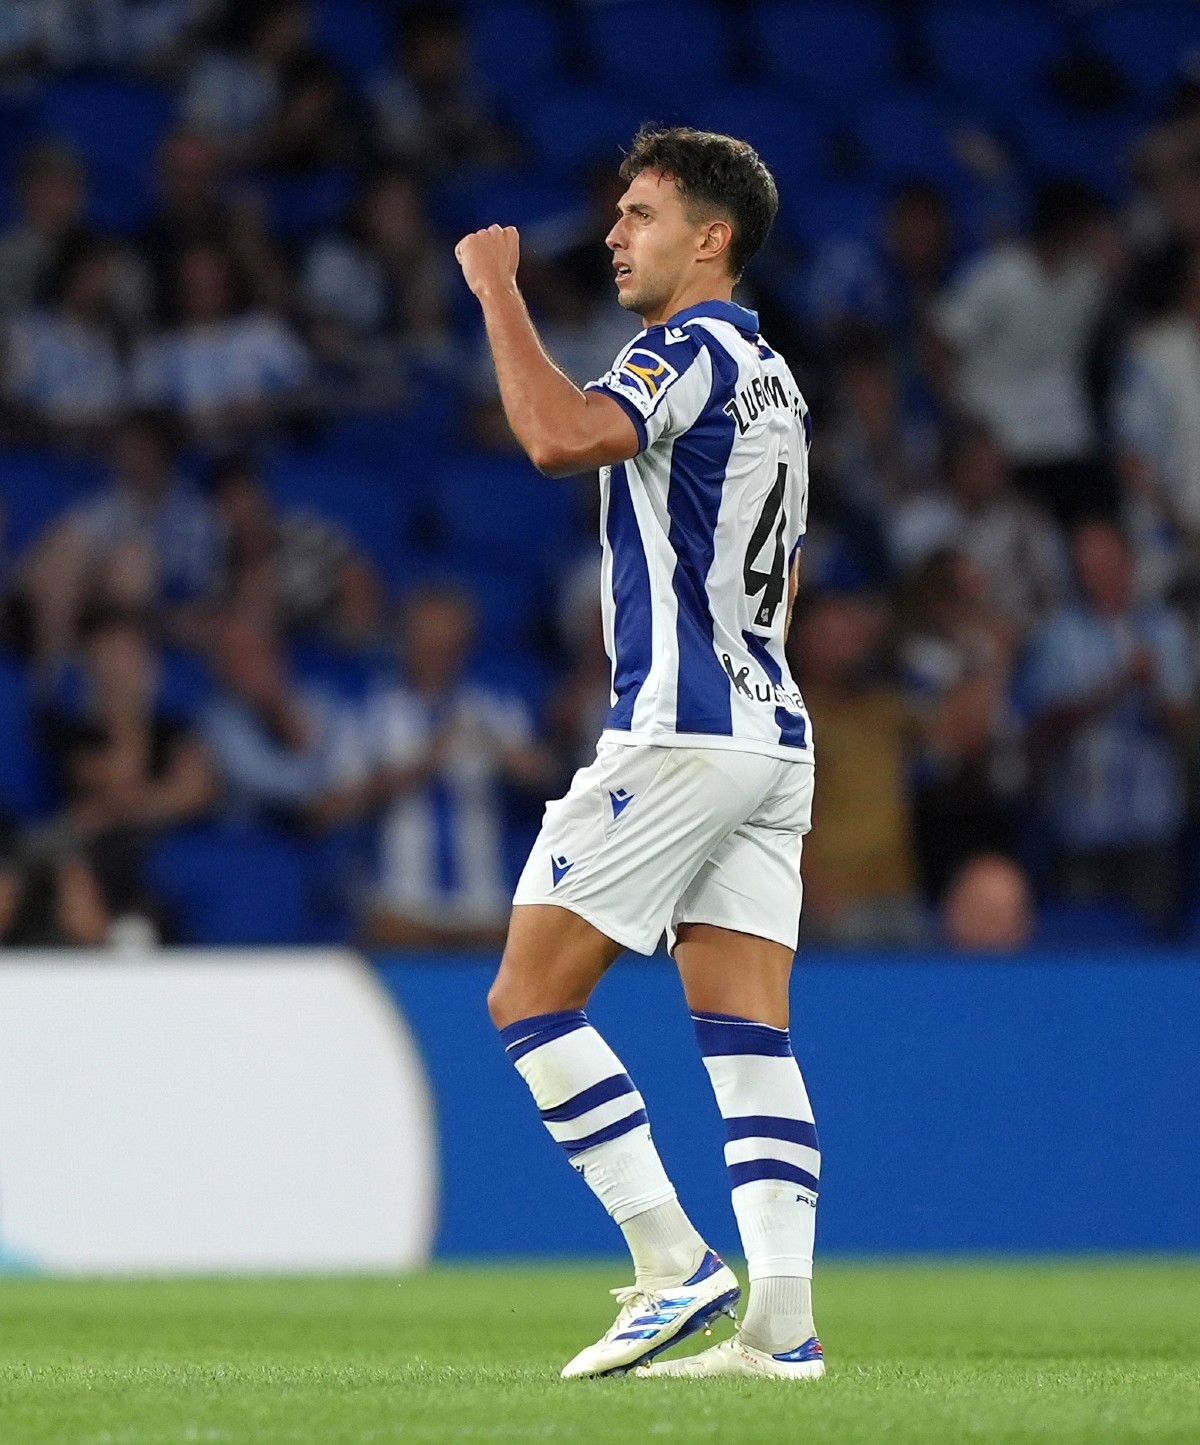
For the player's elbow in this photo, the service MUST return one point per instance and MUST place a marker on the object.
(553, 459)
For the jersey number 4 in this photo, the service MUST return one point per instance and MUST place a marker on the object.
(773, 582)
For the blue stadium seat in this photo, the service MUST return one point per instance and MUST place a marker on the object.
(834, 51)
(1092, 148)
(36, 487)
(326, 666)
(380, 440)
(354, 33)
(185, 684)
(301, 205)
(515, 45)
(507, 600)
(1088, 925)
(25, 789)
(474, 199)
(238, 887)
(833, 211)
(993, 55)
(1148, 42)
(374, 508)
(498, 510)
(116, 126)
(18, 127)
(570, 126)
(905, 135)
(669, 51)
(791, 138)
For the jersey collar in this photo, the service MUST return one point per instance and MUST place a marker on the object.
(738, 316)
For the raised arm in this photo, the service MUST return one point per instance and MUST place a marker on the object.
(563, 430)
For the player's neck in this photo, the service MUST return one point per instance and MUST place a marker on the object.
(686, 297)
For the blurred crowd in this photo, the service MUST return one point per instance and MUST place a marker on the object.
(236, 709)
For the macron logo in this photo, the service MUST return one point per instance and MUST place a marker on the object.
(620, 801)
(561, 868)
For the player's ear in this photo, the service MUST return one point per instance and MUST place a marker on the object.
(716, 239)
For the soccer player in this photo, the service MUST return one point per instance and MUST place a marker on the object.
(689, 822)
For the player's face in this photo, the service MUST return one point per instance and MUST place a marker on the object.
(654, 245)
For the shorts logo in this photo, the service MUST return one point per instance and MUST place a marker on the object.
(620, 801)
(642, 376)
(560, 868)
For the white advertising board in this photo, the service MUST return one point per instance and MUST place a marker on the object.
(209, 1111)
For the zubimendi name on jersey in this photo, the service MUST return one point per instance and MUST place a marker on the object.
(762, 392)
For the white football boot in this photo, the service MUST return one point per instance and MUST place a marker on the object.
(732, 1357)
(651, 1320)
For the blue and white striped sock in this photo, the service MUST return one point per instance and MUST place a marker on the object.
(593, 1111)
(774, 1166)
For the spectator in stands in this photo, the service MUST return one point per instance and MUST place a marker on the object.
(956, 654)
(273, 742)
(859, 867)
(127, 769)
(150, 36)
(890, 282)
(577, 243)
(1166, 168)
(1111, 690)
(1157, 413)
(49, 898)
(149, 541)
(1015, 329)
(314, 122)
(234, 89)
(50, 194)
(434, 753)
(378, 293)
(231, 370)
(291, 572)
(428, 111)
(62, 372)
(192, 209)
(582, 701)
(22, 47)
(988, 906)
(978, 513)
(876, 451)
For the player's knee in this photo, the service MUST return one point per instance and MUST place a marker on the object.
(498, 1002)
(524, 988)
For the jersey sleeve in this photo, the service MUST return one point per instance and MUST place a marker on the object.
(644, 380)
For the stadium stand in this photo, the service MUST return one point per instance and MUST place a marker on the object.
(396, 446)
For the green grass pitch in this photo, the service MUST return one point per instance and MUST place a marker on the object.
(1070, 1353)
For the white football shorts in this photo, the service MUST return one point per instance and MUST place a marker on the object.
(647, 838)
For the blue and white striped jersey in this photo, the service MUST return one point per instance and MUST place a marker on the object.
(699, 532)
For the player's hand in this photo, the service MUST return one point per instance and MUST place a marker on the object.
(489, 258)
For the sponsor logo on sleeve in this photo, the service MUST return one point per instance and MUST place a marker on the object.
(642, 377)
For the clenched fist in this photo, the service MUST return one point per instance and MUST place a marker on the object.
(489, 258)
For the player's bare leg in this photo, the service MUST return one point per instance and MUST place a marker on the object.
(553, 959)
(737, 988)
(551, 964)
(725, 972)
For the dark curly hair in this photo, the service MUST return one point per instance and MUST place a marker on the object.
(713, 172)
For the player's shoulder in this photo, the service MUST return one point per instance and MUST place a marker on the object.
(675, 347)
(651, 364)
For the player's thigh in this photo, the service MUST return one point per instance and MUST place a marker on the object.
(552, 961)
(734, 930)
(725, 971)
(622, 847)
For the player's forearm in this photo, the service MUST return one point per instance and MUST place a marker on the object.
(546, 410)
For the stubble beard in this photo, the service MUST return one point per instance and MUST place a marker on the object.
(641, 302)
